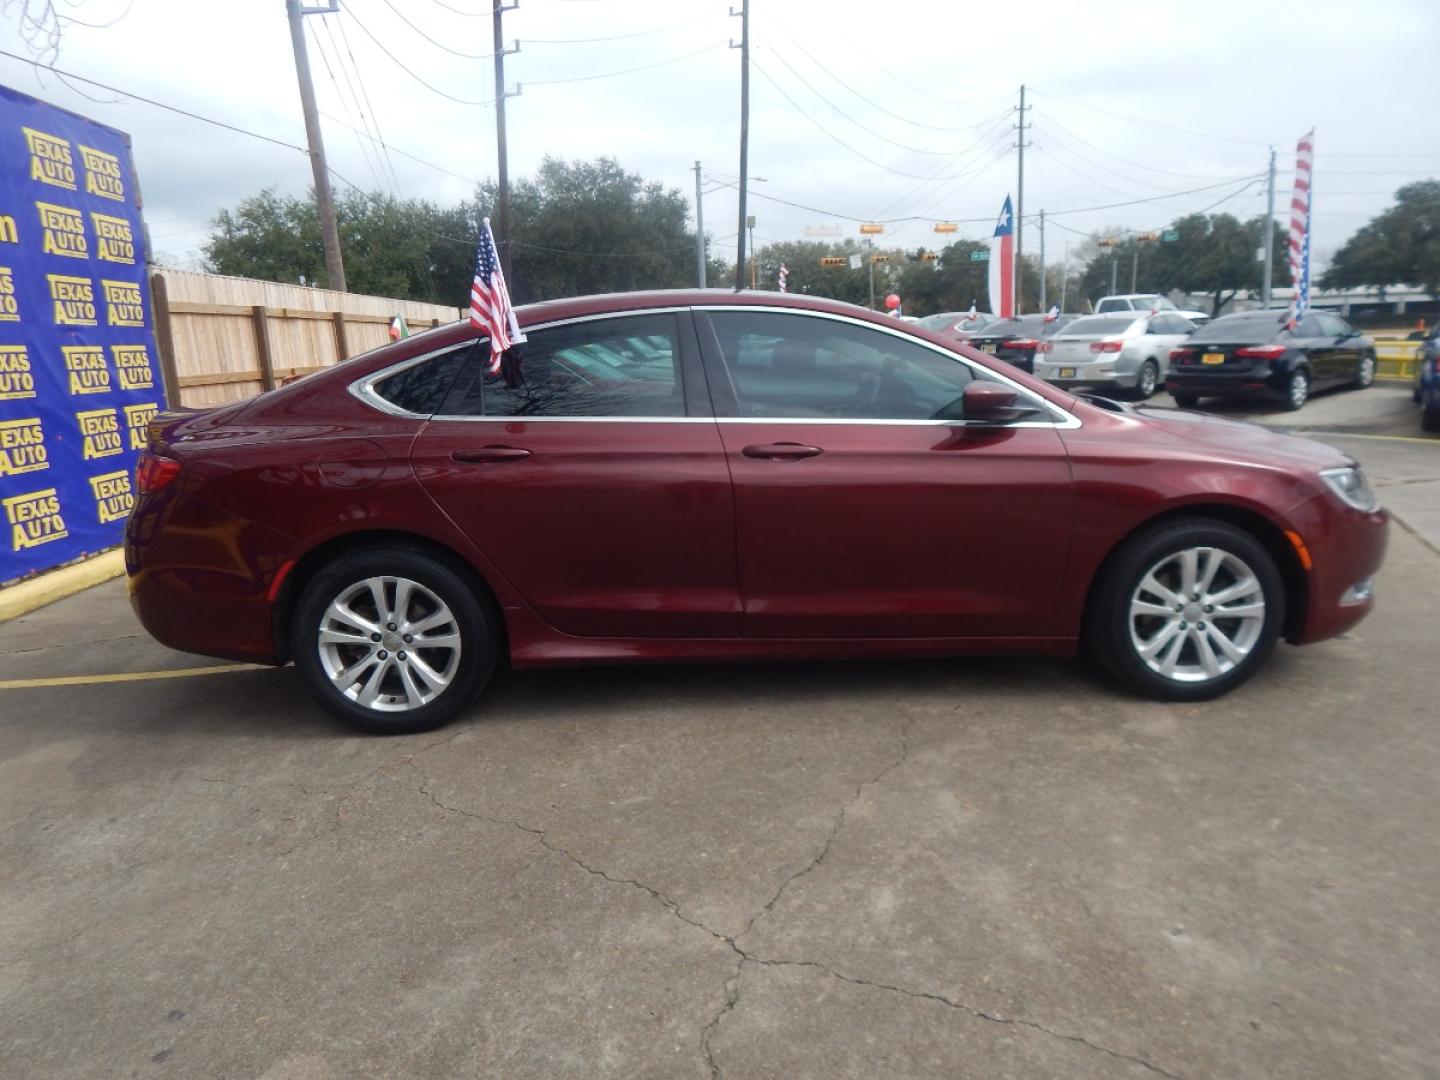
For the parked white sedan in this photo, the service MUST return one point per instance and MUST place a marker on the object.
(1124, 350)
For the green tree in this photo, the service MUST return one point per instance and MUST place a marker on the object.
(1399, 246)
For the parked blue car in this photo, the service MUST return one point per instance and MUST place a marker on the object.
(1427, 380)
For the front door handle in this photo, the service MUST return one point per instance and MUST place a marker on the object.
(781, 451)
(489, 455)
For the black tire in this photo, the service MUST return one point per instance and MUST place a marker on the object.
(1430, 419)
(474, 620)
(1185, 399)
(1297, 392)
(1108, 630)
(1365, 376)
(1147, 380)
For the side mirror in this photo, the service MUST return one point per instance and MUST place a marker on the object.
(988, 402)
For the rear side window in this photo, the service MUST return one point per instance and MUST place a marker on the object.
(624, 366)
(421, 387)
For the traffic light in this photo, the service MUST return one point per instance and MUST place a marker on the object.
(833, 260)
(928, 256)
(1148, 237)
(879, 258)
(1107, 242)
(871, 228)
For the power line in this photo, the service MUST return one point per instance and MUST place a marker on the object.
(157, 104)
(402, 153)
(374, 119)
(858, 153)
(396, 61)
(625, 71)
(1051, 121)
(438, 44)
(365, 151)
(616, 37)
(844, 115)
(1154, 123)
(873, 104)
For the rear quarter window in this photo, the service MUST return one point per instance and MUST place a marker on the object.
(420, 388)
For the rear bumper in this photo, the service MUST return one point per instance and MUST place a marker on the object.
(200, 577)
(1263, 383)
(1116, 373)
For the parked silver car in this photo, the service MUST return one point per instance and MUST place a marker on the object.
(1124, 350)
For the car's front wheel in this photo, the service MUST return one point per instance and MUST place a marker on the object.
(393, 640)
(1365, 376)
(1185, 400)
(1187, 610)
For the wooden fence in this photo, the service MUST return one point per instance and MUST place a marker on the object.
(223, 338)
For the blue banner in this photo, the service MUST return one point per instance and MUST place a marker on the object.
(79, 371)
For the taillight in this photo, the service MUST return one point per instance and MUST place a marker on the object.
(1105, 346)
(1044, 346)
(1020, 343)
(1261, 352)
(1182, 355)
(153, 472)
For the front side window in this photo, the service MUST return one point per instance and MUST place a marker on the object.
(627, 366)
(797, 366)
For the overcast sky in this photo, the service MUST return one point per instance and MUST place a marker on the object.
(1131, 101)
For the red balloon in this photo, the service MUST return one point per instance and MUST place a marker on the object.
(892, 301)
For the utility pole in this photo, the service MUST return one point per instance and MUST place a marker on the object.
(1134, 266)
(1020, 213)
(744, 48)
(754, 263)
(502, 165)
(1266, 281)
(870, 258)
(699, 232)
(1042, 262)
(1113, 289)
(1064, 276)
(324, 197)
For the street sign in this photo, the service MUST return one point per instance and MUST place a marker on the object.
(855, 262)
(946, 227)
(871, 229)
(983, 255)
(822, 232)
(1169, 236)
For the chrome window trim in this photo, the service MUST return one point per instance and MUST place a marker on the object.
(1070, 420)
(364, 387)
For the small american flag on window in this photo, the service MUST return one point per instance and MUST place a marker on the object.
(490, 308)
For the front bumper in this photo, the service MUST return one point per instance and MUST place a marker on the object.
(1346, 548)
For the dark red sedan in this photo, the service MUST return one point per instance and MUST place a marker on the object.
(714, 476)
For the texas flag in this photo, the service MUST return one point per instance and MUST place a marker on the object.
(1002, 264)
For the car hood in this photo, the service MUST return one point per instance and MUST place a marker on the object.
(1241, 439)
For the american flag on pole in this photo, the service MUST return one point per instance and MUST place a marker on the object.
(1300, 224)
(490, 308)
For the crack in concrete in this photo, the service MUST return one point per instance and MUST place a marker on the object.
(732, 983)
(904, 755)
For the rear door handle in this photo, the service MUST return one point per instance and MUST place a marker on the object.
(781, 451)
(489, 455)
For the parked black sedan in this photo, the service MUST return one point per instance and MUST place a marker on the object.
(1257, 354)
(1016, 340)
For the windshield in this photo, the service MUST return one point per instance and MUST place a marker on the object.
(1243, 326)
(1097, 325)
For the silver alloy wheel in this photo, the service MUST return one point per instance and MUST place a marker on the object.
(1197, 614)
(1299, 389)
(1149, 375)
(389, 644)
(1367, 371)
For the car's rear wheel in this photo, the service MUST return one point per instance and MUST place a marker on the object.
(1187, 610)
(392, 640)
(1297, 390)
(1147, 379)
(1365, 376)
(1185, 399)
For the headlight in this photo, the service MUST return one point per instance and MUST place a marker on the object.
(1349, 483)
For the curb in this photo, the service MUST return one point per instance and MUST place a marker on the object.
(55, 585)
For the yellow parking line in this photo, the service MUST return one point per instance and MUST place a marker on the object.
(1355, 435)
(127, 676)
